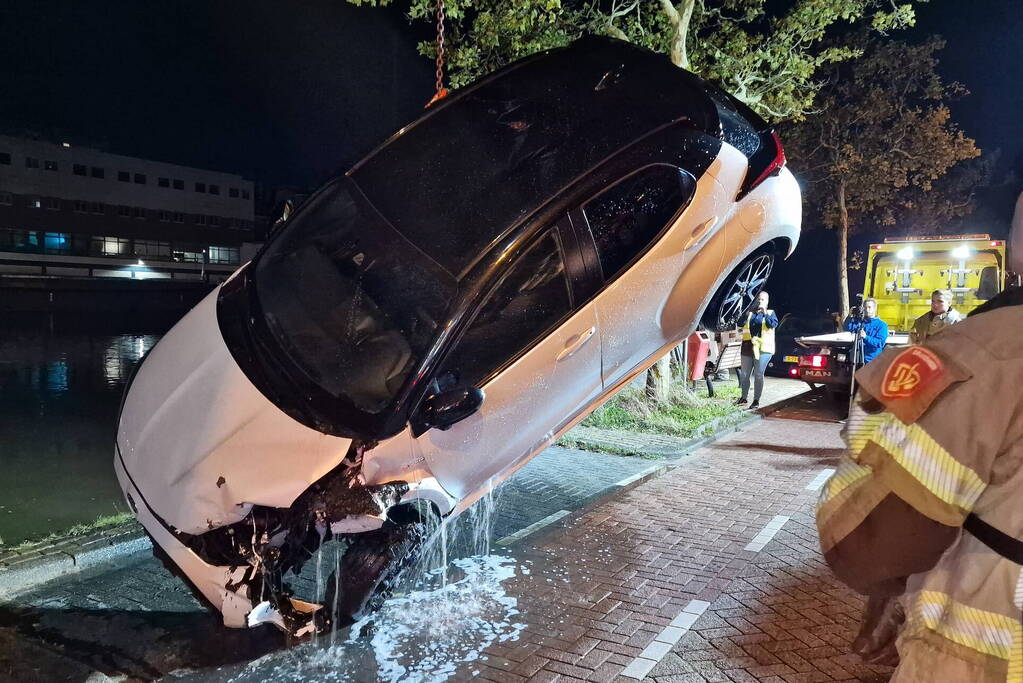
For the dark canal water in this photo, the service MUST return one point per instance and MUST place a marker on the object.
(61, 380)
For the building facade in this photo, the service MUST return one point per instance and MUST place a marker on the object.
(76, 212)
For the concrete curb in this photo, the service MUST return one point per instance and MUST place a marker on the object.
(69, 556)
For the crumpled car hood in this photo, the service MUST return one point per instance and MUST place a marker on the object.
(202, 444)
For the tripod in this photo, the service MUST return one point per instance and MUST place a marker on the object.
(857, 353)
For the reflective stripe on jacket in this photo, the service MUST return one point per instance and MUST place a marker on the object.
(936, 427)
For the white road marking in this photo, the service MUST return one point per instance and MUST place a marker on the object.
(665, 640)
(522, 533)
(820, 479)
(767, 533)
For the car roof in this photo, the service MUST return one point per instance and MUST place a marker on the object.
(459, 178)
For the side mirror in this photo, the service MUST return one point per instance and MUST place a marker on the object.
(446, 408)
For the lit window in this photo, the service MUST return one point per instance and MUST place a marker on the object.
(140, 178)
(179, 184)
(56, 241)
(224, 255)
(52, 203)
(124, 176)
(200, 187)
(81, 206)
(111, 246)
(98, 172)
(5, 158)
(80, 169)
(31, 162)
(214, 189)
(50, 165)
(34, 202)
(163, 182)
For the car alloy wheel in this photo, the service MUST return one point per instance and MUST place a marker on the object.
(741, 290)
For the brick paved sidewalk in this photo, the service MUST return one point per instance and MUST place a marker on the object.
(627, 583)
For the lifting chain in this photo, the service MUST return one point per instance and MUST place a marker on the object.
(441, 92)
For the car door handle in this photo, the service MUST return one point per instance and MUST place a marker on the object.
(700, 230)
(575, 343)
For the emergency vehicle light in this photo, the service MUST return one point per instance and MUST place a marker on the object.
(961, 252)
(905, 254)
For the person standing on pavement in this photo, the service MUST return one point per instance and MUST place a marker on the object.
(871, 329)
(757, 349)
(938, 318)
(923, 511)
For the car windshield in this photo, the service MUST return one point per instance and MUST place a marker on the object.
(349, 300)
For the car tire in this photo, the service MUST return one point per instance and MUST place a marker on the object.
(738, 291)
(369, 570)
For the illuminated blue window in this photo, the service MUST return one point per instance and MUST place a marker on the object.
(56, 241)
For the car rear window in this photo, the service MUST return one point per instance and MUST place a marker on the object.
(629, 216)
(740, 125)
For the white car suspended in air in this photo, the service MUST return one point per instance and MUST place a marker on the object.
(424, 325)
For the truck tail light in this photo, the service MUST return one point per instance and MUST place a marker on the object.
(794, 372)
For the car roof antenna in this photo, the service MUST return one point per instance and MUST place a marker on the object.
(442, 92)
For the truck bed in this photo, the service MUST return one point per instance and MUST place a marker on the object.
(844, 340)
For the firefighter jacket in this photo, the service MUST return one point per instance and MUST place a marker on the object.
(876, 335)
(933, 466)
(929, 324)
(759, 332)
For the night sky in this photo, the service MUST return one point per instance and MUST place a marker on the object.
(291, 93)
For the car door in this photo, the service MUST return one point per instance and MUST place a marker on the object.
(643, 232)
(535, 355)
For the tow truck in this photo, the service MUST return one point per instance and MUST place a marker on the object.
(901, 274)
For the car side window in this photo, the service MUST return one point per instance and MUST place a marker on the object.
(626, 218)
(531, 299)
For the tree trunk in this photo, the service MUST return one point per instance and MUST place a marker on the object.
(679, 18)
(658, 381)
(843, 251)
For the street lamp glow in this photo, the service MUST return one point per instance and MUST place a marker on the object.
(905, 254)
(961, 252)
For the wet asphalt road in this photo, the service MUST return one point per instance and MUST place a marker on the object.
(136, 622)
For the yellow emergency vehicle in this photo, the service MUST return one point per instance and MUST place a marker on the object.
(901, 274)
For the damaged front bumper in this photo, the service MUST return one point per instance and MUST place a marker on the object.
(238, 569)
